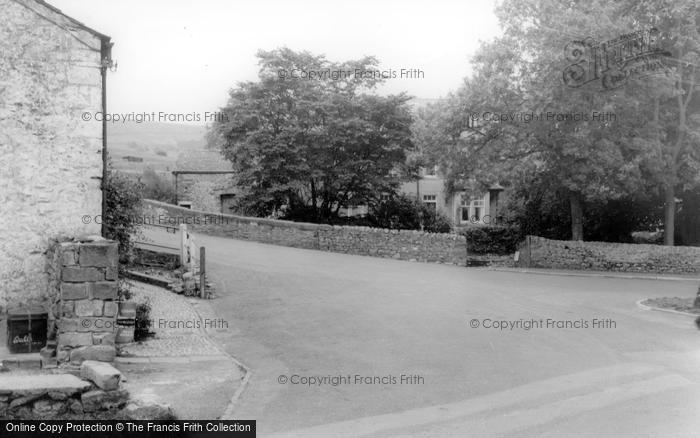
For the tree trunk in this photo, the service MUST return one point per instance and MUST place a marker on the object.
(669, 214)
(314, 202)
(576, 216)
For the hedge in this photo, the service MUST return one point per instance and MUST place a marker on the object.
(493, 239)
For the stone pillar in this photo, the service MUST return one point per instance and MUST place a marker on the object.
(86, 309)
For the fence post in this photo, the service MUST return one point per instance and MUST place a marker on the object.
(202, 272)
(183, 246)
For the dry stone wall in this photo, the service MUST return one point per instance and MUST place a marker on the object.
(538, 252)
(377, 242)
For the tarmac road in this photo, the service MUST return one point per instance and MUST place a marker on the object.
(329, 336)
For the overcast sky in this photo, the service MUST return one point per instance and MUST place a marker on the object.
(182, 56)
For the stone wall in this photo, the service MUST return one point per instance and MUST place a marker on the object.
(95, 391)
(50, 159)
(402, 245)
(84, 304)
(538, 252)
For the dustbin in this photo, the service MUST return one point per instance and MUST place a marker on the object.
(26, 329)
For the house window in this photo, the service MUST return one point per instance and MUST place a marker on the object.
(477, 209)
(464, 209)
(431, 202)
(472, 210)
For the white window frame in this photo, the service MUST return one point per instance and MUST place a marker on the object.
(472, 206)
(430, 199)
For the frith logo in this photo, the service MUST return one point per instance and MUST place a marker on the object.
(614, 61)
(26, 339)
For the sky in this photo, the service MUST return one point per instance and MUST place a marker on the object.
(182, 57)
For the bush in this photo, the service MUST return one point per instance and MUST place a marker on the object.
(123, 199)
(405, 213)
(142, 327)
(157, 187)
(493, 239)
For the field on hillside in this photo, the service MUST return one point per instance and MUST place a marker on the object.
(158, 145)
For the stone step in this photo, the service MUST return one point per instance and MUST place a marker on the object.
(41, 383)
(24, 361)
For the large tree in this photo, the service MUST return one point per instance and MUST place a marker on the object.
(594, 160)
(671, 120)
(316, 144)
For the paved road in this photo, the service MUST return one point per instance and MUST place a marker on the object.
(303, 313)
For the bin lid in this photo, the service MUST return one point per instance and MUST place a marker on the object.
(25, 312)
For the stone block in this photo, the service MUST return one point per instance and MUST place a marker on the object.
(103, 290)
(49, 362)
(73, 291)
(19, 401)
(111, 308)
(99, 254)
(148, 411)
(98, 399)
(30, 363)
(67, 309)
(48, 408)
(74, 339)
(102, 353)
(89, 307)
(57, 395)
(82, 274)
(111, 273)
(104, 338)
(76, 407)
(127, 309)
(68, 257)
(102, 374)
(125, 335)
(87, 324)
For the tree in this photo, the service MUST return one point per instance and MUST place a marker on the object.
(515, 119)
(324, 143)
(671, 126)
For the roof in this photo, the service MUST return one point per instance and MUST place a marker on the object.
(70, 21)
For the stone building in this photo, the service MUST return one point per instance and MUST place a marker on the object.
(459, 207)
(203, 181)
(52, 79)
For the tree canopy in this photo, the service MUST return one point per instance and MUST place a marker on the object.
(316, 144)
(518, 119)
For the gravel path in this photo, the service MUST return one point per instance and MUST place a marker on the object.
(179, 329)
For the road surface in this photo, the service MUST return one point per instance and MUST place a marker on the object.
(343, 345)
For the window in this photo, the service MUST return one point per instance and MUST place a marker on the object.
(472, 210)
(477, 209)
(430, 201)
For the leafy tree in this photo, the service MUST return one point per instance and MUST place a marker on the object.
(670, 123)
(156, 187)
(319, 143)
(592, 161)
